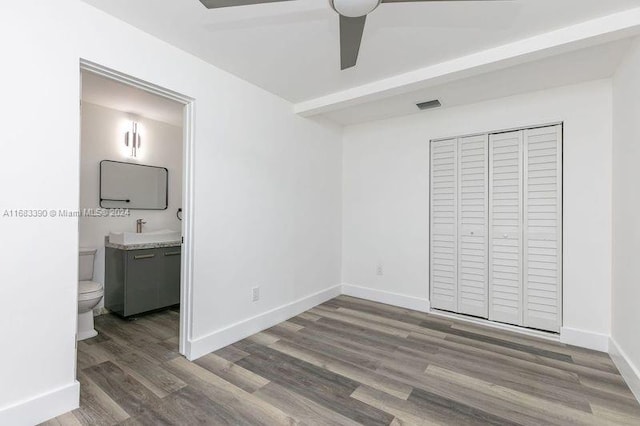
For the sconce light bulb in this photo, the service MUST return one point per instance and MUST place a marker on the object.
(132, 138)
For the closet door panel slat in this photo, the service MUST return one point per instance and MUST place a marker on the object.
(542, 221)
(473, 214)
(505, 227)
(444, 224)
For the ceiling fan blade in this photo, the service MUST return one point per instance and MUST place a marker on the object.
(215, 4)
(351, 30)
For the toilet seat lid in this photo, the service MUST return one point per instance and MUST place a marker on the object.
(88, 287)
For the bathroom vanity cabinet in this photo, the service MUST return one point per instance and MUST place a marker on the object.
(141, 280)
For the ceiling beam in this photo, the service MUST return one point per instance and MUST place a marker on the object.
(589, 33)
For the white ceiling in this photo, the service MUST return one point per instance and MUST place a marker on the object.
(593, 63)
(122, 97)
(292, 48)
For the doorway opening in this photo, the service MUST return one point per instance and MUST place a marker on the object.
(135, 216)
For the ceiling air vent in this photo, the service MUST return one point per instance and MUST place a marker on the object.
(429, 104)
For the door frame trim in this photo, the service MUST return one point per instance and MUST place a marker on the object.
(496, 132)
(188, 188)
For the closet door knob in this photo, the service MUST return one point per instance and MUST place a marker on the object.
(472, 233)
(505, 236)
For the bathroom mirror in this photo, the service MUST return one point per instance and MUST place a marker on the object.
(133, 186)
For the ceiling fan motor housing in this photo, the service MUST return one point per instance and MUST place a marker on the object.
(354, 8)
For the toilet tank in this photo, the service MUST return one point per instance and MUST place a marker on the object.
(85, 265)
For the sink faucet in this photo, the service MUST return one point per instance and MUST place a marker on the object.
(139, 224)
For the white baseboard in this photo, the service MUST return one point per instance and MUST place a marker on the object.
(42, 407)
(630, 372)
(240, 330)
(388, 298)
(584, 339)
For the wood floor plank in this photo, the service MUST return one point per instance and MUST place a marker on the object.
(583, 372)
(612, 416)
(374, 336)
(541, 386)
(308, 411)
(489, 403)
(527, 363)
(309, 316)
(319, 385)
(569, 415)
(90, 355)
(594, 359)
(231, 353)
(124, 342)
(289, 326)
(530, 348)
(339, 330)
(345, 369)
(400, 325)
(459, 413)
(232, 373)
(153, 377)
(301, 321)
(96, 406)
(348, 361)
(238, 404)
(263, 338)
(130, 334)
(112, 349)
(404, 412)
(67, 419)
(327, 347)
(387, 311)
(614, 385)
(188, 407)
(127, 392)
(341, 316)
(513, 337)
(172, 345)
(153, 330)
(375, 355)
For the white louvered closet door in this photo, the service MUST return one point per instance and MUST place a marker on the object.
(472, 226)
(543, 228)
(444, 213)
(505, 228)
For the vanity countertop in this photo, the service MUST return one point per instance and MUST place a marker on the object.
(163, 244)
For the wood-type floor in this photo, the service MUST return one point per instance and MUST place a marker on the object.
(346, 362)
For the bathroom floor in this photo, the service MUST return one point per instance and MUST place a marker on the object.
(347, 361)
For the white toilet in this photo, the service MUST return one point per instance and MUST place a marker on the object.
(89, 294)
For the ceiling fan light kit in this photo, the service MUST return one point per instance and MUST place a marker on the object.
(354, 8)
(353, 15)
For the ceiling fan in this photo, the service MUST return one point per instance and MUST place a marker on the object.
(353, 15)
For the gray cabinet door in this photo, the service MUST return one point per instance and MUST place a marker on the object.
(169, 290)
(143, 278)
(114, 276)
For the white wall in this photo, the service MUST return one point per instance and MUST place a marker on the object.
(39, 168)
(267, 192)
(102, 138)
(385, 195)
(626, 205)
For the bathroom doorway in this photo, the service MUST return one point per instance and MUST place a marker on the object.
(135, 217)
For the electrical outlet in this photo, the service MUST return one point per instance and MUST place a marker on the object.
(379, 270)
(255, 294)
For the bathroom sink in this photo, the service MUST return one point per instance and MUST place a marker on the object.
(130, 238)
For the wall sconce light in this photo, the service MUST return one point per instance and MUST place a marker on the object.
(132, 138)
